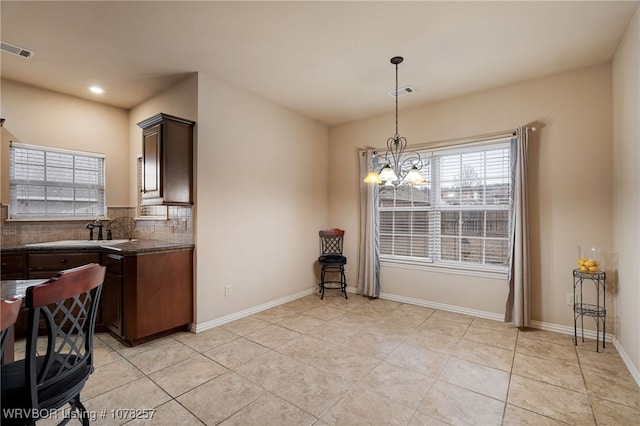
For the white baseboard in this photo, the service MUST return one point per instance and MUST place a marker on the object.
(627, 361)
(562, 329)
(443, 307)
(197, 328)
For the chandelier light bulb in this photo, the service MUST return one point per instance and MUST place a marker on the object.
(373, 177)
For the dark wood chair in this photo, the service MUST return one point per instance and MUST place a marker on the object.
(66, 306)
(9, 310)
(332, 261)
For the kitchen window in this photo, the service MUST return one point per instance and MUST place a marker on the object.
(49, 183)
(459, 218)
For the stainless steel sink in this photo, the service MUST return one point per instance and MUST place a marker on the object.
(79, 243)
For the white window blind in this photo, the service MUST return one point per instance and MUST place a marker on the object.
(52, 183)
(459, 217)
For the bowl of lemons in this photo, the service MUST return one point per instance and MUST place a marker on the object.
(588, 265)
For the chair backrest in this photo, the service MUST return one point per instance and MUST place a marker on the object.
(9, 310)
(331, 241)
(67, 305)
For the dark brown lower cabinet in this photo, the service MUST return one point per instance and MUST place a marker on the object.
(13, 266)
(147, 295)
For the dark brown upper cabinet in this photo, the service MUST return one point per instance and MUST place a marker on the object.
(167, 160)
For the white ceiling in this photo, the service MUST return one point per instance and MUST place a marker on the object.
(329, 60)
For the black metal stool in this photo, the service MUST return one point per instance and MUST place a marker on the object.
(331, 260)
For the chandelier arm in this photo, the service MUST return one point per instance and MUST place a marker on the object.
(411, 160)
(395, 148)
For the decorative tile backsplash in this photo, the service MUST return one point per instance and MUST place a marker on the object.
(178, 227)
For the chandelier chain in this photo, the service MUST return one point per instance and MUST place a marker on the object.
(396, 100)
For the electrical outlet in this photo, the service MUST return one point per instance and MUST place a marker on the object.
(570, 299)
(227, 290)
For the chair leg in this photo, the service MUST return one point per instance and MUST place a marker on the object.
(322, 283)
(84, 416)
(76, 405)
(343, 282)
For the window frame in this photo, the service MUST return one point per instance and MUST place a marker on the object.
(73, 170)
(435, 209)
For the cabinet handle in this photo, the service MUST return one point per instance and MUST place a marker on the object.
(63, 260)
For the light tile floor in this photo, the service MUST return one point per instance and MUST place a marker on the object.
(361, 362)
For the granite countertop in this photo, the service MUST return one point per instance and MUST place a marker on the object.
(133, 247)
(146, 246)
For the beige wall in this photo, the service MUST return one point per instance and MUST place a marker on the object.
(41, 117)
(262, 197)
(626, 180)
(258, 231)
(570, 183)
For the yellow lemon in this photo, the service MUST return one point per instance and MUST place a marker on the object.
(583, 268)
(593, 268)
(589, 263)
(581, 261)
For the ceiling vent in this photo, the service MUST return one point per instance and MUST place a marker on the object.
(401, 91)
(6, 47)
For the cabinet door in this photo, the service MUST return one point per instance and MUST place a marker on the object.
(112, 300)
(151, 162)
(111, 304)
(13, 267)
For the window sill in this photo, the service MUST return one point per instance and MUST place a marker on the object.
(57, 219)
(493, 273)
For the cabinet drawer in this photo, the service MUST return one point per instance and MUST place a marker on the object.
(59, 261)
(114, 264)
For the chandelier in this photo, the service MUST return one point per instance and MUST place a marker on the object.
(400, 166)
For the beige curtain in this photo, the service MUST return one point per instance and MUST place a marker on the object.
(369, 271)
(518, 309)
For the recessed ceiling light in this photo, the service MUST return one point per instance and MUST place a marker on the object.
(97, 90)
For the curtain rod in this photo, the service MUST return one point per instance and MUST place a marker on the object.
(464, 141)
(533, 126)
